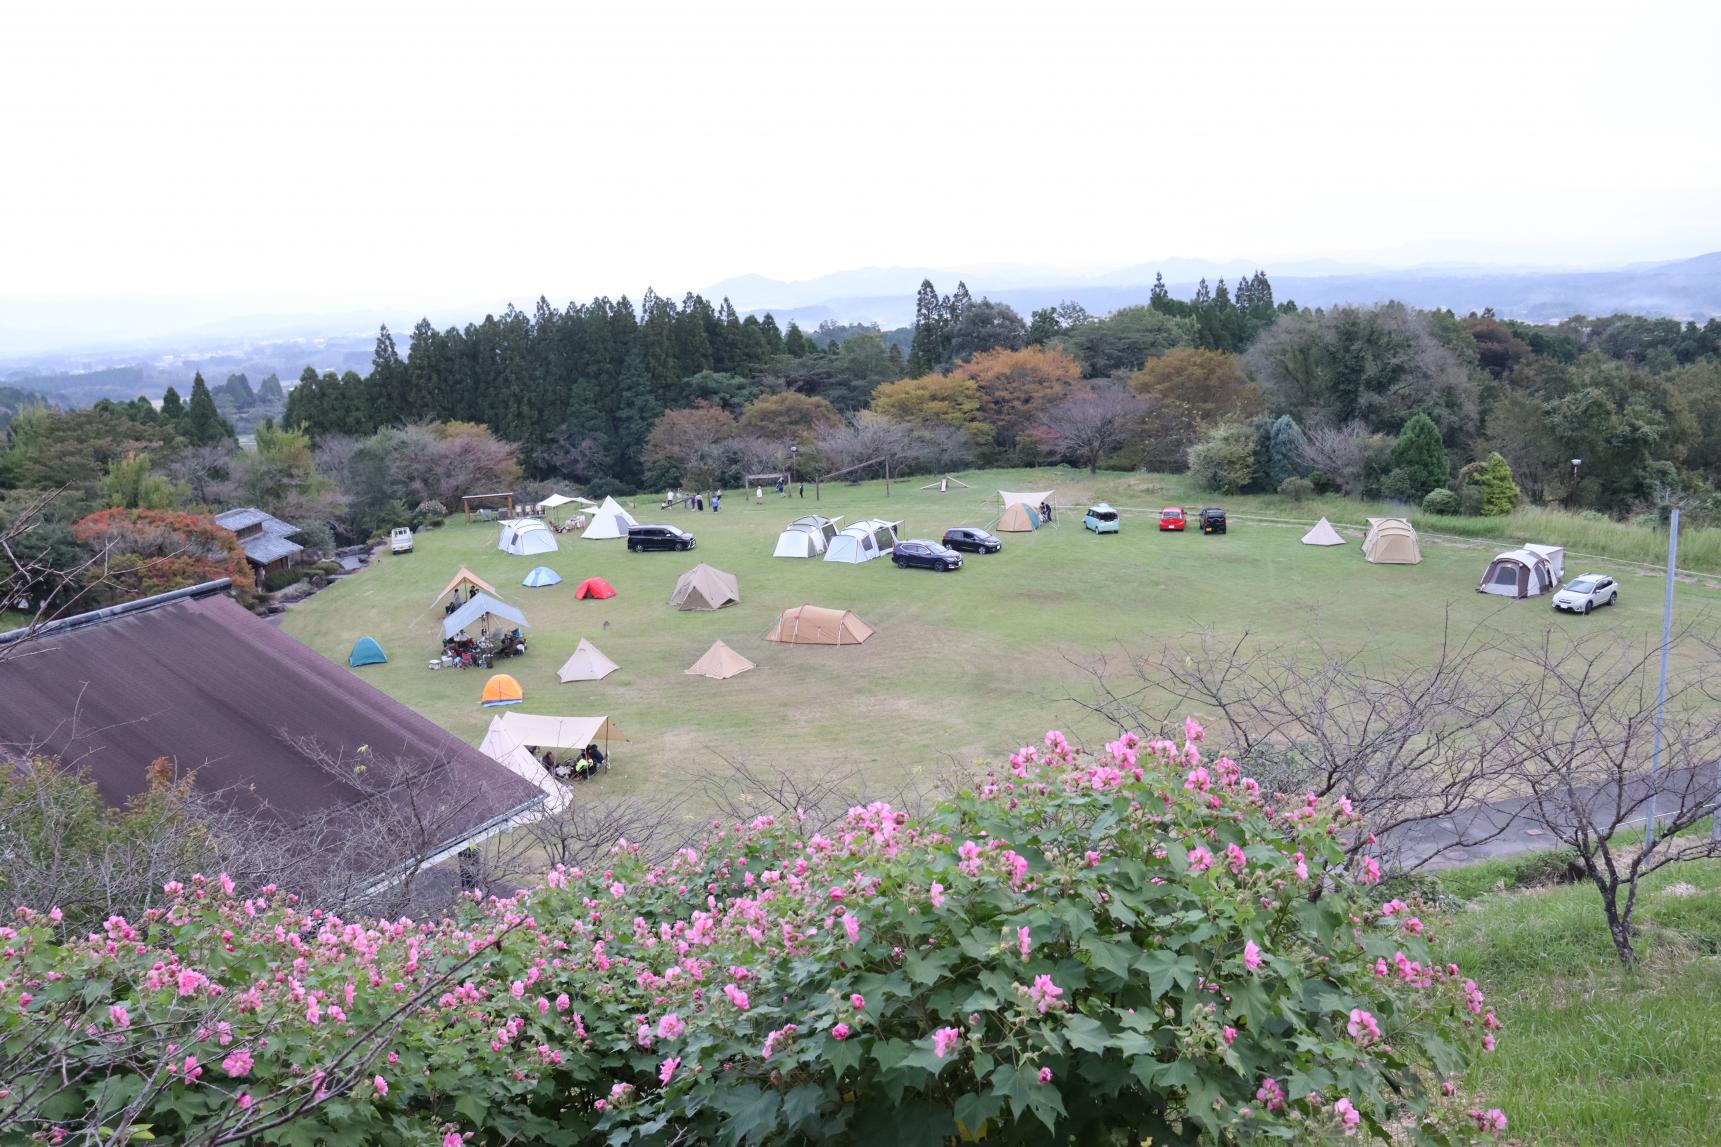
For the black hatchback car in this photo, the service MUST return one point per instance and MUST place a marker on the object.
(1213, 520)
(925, 555)
(976, 541)
(658, 538)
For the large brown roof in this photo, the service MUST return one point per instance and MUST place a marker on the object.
(215, 689)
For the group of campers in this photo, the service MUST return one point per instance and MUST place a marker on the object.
(463, 651)
(581, 768)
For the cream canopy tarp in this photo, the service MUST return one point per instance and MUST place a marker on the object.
(1391, 541)
(1030, 498)
(720, 662)
(481, 607)
(609, 521)
(704, 587)
(555, 500)
(544, 732)
(1323, 535)
(501, 746)
(588, 663)
(468, 578)
(816, 625)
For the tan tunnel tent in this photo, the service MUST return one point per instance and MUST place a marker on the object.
(1019, 518)
(588, 663)
(719, 663)
(1391, 542)
(468, 579)
(1323, 535)
(705, 588)
(816, 625)
(1518, 573)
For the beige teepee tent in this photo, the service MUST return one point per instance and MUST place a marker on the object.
(587, 664)
(1323, 535)
(469, 579)
(816, 625)
(703, 587)
(720, 662)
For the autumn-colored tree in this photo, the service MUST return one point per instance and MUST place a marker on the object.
(788, 417)
(136, 553)
(686, 446)
(1191, 389)
(952, 400)
(1017, 386)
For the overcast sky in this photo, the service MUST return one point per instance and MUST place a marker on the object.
(312, 155)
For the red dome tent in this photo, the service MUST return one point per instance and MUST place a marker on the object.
(595, 587)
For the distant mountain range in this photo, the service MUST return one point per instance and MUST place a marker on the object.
(1684, 289)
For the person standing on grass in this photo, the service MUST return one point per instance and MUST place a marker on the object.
(716, 501)
(803, 489)
(758, 495)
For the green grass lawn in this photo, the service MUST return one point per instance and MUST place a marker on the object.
(964, 666)
(1594, 1055)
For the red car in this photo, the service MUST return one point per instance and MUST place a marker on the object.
(1171, 518)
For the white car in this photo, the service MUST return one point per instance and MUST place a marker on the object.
(400, 540)
(1582, 594)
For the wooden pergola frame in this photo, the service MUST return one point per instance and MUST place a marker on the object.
(466, 501)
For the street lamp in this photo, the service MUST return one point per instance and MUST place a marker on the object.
(1573, 498)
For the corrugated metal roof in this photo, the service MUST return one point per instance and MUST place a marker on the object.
(239, 519)
(216, 689)
(265, 548)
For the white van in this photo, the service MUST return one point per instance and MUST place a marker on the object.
(400, 540)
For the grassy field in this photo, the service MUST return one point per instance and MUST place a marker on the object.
(964, 665)
(1594, 1055)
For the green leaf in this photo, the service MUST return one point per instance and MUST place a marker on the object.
(1045, 1102)
(1113, 958)
(473, 1106)
(929, 969)
(974, 1111)
(1086, 1033)
(751, 1112)
(1165, 968)
(801, 1106)
(843, 1054)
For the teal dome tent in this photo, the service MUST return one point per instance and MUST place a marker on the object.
(366, 652)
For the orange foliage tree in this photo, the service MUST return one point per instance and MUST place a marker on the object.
(946, 399)
(1190, 389)
(1018, 386)
(142, 552)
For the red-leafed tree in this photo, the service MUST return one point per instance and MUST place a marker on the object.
(136, 553)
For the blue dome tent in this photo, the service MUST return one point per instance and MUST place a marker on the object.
(366, 652)
(542, 576)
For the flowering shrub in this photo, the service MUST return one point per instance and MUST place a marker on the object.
(1139, 944)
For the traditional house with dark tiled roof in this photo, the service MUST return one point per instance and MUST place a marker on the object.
(264, 538)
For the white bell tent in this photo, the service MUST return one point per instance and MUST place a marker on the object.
(609, 522)
(1323, 535)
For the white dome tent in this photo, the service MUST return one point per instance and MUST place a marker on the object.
(1518, 573)
(526, 536)
(806, 537)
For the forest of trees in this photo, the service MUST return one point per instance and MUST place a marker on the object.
(1465, 414)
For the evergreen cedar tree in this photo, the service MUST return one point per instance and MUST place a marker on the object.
(1140, 938)
(1419, 459)
(202, 424)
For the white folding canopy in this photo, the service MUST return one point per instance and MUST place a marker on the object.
(501, 746)
(544, 732)
(555, 500)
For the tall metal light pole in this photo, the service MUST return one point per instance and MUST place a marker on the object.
(1661, 688)
(1572, 499)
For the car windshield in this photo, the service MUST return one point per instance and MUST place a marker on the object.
(1582, 585)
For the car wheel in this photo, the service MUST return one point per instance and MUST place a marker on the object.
(943, 567)
(900, 564)
(1613, 599)
(633, 547)
(1587, 608)
(682, 547)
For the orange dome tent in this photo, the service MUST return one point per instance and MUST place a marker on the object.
(595, 587)
(502, 690)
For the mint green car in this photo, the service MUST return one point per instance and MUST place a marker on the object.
(1101, 519)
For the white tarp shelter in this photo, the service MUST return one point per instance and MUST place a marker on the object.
(609, 522)
(865, 540)
(588, 663)
(537, 731)
(556, 500)
(1518, 573)
(525, 536)
(501, 746)
(484, 610)
(806, 537)
(1030, 498)
(1323, 535)
(1555, 556)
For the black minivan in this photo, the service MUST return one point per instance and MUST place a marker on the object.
(658, 538)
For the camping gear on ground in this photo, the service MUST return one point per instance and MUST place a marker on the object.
(587, 664)
(609, 522)
(1518, 573)
(863, 541)
(500, 746)
(1555, 555)
(468, 579)
(484, 611)
(816, 625)
(705, 588)
(719, 663)
(542, 576)
(594, 587)
(366, 651)
(806, 537)
(1391, 541)
(1019, 518)
(501, 690)
(1323, 535)
(522, 536)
